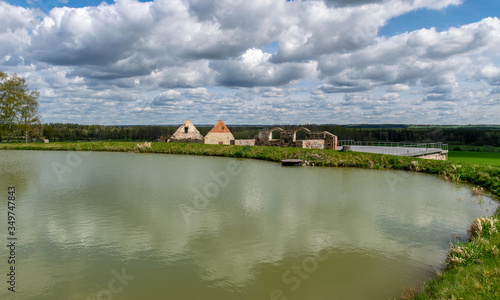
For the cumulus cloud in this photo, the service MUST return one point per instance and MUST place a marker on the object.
(491, 74)
(317, 29)
(352, 2)
(324, 56)
(14, 32)
(365, 101)
(133, 38)
(397, 87)
(253, 68)
(440, 93)
(177, 96)
(425, 57)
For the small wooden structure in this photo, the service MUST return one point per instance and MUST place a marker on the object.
(291, 162)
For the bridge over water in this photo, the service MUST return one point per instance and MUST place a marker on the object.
(438, 151)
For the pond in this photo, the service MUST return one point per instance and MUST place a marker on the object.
(152, 226)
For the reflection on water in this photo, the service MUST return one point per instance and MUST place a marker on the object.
(129, 226)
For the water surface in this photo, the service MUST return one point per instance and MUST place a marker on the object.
(149, 226)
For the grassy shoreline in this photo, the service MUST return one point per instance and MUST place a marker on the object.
(473, 270)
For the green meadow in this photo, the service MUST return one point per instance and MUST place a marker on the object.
(491, 158)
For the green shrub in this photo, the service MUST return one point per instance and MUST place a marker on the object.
(489, 149)
(463, 254)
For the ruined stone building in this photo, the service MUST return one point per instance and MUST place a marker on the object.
(219, 134)
(187, 133)
(288, 138)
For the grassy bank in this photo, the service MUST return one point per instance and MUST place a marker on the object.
(473, 268)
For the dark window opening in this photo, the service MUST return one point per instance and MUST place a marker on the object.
(301, 135)
(186, 129)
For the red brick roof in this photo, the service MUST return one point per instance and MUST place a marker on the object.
(220, 127)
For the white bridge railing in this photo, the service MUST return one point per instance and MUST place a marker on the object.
(393, 148)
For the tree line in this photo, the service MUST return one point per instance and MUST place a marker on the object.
(474, 136)
(18, 108)
(466, 135)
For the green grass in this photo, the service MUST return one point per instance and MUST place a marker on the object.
(492, 158)
(473, 270)
(477, 277)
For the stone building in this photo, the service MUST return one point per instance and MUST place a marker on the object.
(288, 138)
(219, 134)
(187, 133)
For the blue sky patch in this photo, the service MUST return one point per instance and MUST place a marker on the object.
(470, 11)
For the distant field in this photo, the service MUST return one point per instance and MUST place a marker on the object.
(474, 148)
(492, 158)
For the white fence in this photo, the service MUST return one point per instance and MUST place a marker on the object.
(393, 148)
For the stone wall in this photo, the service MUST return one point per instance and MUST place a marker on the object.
(186, 138)
(311, 144)
(264, 138)
(219, 138)
(287, 138)
(243, 142)
(330, 139)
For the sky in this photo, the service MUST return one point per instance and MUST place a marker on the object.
(129, 62)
